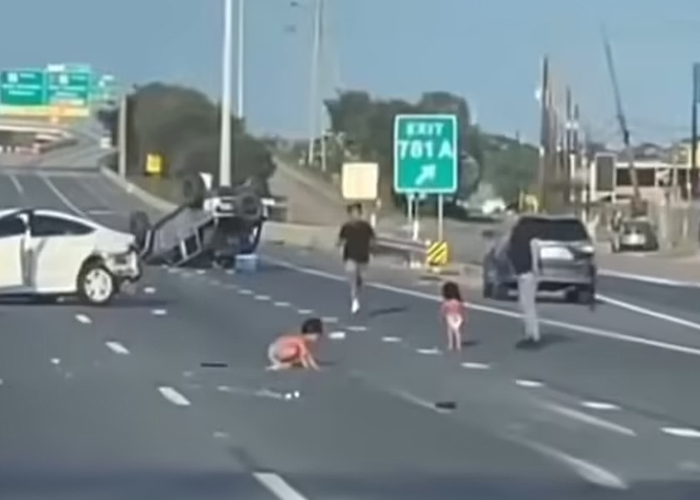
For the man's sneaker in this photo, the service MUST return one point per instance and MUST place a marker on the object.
(355, 306)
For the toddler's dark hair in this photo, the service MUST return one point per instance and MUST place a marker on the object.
(312, 325)
(450, 291)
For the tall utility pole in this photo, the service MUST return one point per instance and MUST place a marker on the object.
(694, 133)
(241, 59)
(545, 132)
(225, 140)
(313, 93)
(122, 130)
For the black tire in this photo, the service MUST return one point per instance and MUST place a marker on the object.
(139, 226)
(96, 294)
(486, 289)
(582, 295)
(193, 190)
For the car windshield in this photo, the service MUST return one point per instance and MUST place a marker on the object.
(556, 230)
(634, 227)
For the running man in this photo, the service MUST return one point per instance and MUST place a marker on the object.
(356, 238)
(295, 350)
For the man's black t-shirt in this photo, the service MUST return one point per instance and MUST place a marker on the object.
(356, 236)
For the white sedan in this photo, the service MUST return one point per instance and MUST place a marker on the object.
(47, 253)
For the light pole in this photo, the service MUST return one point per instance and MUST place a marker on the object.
(241, 53)
(225, 146)
(313, 94)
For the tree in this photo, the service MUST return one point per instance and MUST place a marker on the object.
(183, 126)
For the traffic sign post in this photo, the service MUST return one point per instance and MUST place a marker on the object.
(426, 159)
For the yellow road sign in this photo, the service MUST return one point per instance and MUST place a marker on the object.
(437, 254)
(154, 164)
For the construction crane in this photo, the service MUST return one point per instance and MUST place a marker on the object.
(636, 207)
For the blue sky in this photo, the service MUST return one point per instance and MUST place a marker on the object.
(488, 51)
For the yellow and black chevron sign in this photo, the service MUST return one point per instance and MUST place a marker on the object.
(437, 254)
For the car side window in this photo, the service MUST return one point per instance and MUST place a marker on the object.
(47, 225)
(11, 226)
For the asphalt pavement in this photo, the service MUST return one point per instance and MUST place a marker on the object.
(164, 394)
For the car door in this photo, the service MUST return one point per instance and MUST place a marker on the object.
(58, 248)
(13, 237)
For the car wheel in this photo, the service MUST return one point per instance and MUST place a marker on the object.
(96, 285)
(582, 295)
(486, 289)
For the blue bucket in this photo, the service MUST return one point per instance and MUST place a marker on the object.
(247, 263)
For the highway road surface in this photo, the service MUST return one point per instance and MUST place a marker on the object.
(164, 394)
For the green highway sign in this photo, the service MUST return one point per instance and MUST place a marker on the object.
(426, 155)
(69, 88)
(23, 87)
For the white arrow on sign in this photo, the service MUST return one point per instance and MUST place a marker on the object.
(427, 174)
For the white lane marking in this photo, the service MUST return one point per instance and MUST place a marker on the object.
(278, 486)
(55, 361)
(431, 351)
(173, 396)
(329, 319)
(262, 297)
(201, 271)
(245, 291)
(522, 382)
(587, 470)
(159, 312)
(590, 419)
(221, 435)
(599, 405)
(596, 332)
(230, 271)
(282, 304)
(681, 432)
(149, 290)
(339, 335)
(648, 279)
(64, 199)
(83, 318)
(357, 328)
(648, 312)
(476, 366)
(390, 339)
(18, 186)
(117, 347)
(305, 311)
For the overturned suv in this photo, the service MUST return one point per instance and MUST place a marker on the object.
(211, 227)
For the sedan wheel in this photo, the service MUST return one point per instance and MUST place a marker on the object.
(96, 285)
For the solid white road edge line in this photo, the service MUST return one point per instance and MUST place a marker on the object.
(597, 332)
(173, 396)
(16, 183)
(278, 486)
(117, 347)
(648, 279)
(647, 312)
(64, 199)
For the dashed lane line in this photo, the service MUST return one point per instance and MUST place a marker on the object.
(528, 383)
(278, 486)
(599, 405)
(83, 318)
(681, 432)
(173, 396)
(117, 348)
(589, 419)
(159, 312)
(305, 311)
(282, 304)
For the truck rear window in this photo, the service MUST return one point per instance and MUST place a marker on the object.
(555, 230)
